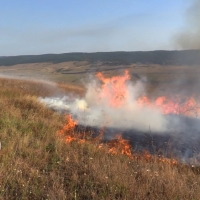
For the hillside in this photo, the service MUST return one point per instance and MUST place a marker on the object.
(185, 57)
(38, 164)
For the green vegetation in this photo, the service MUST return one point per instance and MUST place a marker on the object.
(37, 164)
(186, 57)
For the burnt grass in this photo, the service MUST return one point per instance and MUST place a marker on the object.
(172, 144)
(37, 164)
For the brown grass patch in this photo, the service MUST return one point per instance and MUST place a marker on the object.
(36, 164)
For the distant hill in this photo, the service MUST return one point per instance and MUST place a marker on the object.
(185, 57)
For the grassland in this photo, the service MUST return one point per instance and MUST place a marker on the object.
(76, 73)
(37, 164)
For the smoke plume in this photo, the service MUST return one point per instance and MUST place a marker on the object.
(111, 106)
(121, 106)
(188, 38)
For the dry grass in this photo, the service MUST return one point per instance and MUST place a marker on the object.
(36, 164)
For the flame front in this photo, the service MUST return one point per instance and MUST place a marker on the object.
(120, 145)
(115, 92)
(113, 89)
(116, 106)
(68, 130)
(115, 146)
(175, 105)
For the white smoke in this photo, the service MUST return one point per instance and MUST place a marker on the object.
(95, 111)
(56, 103)
(180, 132)
(64, 104)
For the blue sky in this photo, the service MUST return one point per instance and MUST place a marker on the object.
(59, 26)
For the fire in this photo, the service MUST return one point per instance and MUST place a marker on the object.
(175, 105)
(68, 130)
(114, 89)
(115, 92)
(151, 158)
(69, 126)
(144, 101)
(120, 145)
(116, 146)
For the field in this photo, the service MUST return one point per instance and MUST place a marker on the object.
(37, 164)
(77, 73)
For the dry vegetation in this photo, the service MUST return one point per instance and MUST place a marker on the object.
(159, 79)
(36, 164)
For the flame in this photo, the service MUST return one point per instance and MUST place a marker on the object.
(147, 157)
(115, 92)
(68, 129)
(114, 89)
(116, 146)
(70, 125)
(143, 101)
(175, 105)
(120, 145)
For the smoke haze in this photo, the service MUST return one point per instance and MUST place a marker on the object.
(96, 110)
(120, 106)
(188, 38)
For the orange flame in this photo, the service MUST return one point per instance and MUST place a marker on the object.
(68, 129)
(116, 146)
(145, 155)
(144, 101)
(120, 145)
(69, 126)
(115, 92)
(176, 105)
(114, 89)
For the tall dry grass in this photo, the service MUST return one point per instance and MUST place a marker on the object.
(36, 164)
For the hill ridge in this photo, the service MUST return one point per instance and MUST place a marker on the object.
(162, 57)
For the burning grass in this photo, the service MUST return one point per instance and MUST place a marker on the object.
(37, 164)
(123, 106)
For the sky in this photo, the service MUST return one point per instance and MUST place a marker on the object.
(60, 26)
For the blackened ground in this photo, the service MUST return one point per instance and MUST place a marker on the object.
(181, 141)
